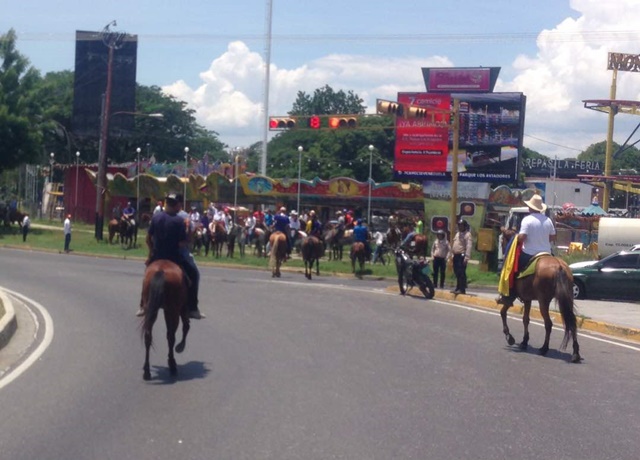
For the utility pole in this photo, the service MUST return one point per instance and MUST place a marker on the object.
(113, 41)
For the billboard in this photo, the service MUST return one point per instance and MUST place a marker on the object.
(490, 137)
(91, 82)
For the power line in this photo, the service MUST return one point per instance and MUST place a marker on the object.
(553, 143)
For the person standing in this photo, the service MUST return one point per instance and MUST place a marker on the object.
(379, 238)
(536, 235)
(461, 250)
(67, 233)
(158, 208)
(440, 250)
(26, 223)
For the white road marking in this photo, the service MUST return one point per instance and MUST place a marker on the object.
(46, 341)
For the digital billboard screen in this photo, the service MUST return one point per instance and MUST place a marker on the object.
(490, 137)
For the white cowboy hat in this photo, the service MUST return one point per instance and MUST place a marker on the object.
(536, 203)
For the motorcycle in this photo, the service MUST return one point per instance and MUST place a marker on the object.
(413, 273)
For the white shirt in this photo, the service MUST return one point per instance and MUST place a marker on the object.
(294, 224)
(26, 222)
(538, 228)
(67, 226)
(379, 237)
(157, 209)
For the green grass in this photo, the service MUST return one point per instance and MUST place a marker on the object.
(83, 241)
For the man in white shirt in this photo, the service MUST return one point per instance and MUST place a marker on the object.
(158, 208)
(67, 233)
(26, 223)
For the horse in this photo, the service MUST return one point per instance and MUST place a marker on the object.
(218, 235)
(278, 243)
(260, 236)
(235, 234)
(358, 253)
(164, 287)
(114, 230)
(312, 249)
(200, 239)
(552, 279)
(128, 233)
(393, 237)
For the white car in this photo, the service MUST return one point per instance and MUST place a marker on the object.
(635, 247)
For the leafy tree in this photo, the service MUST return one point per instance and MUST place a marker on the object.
(20, 113)
(627, 159)
(325, 101)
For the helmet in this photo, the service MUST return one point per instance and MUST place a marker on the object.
(338, 213)
(283, 209)
(440, 233)
(359, 221)
(294, 213)
(312, 213)
(462, 222)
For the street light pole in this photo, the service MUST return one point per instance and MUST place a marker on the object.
(371, 149)
(184, 197)
(300, 149)
(138, 150)
(235, 192)
(75, 206)
(51, 198)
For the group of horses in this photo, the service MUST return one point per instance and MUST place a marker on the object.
(164, 287)
(124, 231)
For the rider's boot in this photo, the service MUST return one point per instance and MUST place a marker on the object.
(506, 300)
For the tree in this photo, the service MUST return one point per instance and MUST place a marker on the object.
(325, 101)
(20, 112)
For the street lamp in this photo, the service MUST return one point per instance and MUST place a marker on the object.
(75, 207)
(235, 180)
(51, 162)
(300, 149)
(184, 197)
(371, 149)
(138, 150)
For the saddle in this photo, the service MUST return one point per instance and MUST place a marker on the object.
(530, 269)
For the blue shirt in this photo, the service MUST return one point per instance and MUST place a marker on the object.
(360, 233)
(268, 220)
(280, 223)
(167, 232)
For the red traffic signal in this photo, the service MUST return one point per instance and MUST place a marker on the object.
(315, 122)
(439, 223)
(280, 123)
(343, 122)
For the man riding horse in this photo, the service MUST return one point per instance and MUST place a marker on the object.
(535, 236)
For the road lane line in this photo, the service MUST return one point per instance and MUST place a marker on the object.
(44, 344)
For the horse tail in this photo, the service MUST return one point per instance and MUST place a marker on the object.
(564, 296)
(155, 300)
(274, 252)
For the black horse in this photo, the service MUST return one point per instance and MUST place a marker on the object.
(128, 233)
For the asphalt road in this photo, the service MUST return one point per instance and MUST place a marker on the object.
(292, 369)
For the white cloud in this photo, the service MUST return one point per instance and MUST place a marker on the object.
(569, 67)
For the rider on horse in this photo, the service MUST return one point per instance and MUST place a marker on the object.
(314, 227)
(281, 224)
(361, 235)
(167, 239)
(535, 236)
(128, 212)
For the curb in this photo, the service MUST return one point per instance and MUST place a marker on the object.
(8, 322)
(586, 324)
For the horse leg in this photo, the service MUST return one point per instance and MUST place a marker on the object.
(317, 266)
(548, 325)
(505, 328)
(186, 325)
(525, 322)
(147, 344)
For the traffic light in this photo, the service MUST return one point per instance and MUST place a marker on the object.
(439, 223)
(416, 112)
(315, 122)
(384, 107)
(280, 123)
(344, 121)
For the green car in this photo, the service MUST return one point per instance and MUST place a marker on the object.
(614, 277)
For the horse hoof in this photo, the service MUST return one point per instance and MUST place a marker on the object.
(180, 348)
(147, 376)
(523, 346)
(543, 351)
(576, 358)
(510, 339)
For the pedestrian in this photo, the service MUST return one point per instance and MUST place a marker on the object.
(158, 209)
(379, 238)
(26, 223)
(67, 233)
(440, 250)
(461, 251)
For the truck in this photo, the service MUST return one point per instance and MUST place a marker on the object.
(617, 234)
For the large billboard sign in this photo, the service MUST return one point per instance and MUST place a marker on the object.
(490, 137)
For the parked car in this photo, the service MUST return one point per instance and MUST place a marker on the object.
(614, 277)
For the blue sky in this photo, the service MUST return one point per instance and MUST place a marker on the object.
(211, 53)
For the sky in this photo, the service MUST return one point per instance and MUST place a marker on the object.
(212, 54)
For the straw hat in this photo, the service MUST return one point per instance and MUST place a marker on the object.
(536, 203)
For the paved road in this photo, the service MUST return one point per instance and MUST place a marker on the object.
(290, 369)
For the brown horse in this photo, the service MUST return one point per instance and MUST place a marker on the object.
(358, 253)
(114, 230)
(552, 279)
(163, 287)
(218, 236)
(278, 243)
(312, 250)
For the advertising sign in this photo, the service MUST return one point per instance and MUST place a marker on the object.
(490, 138)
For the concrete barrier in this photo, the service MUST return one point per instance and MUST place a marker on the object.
(8, 322)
